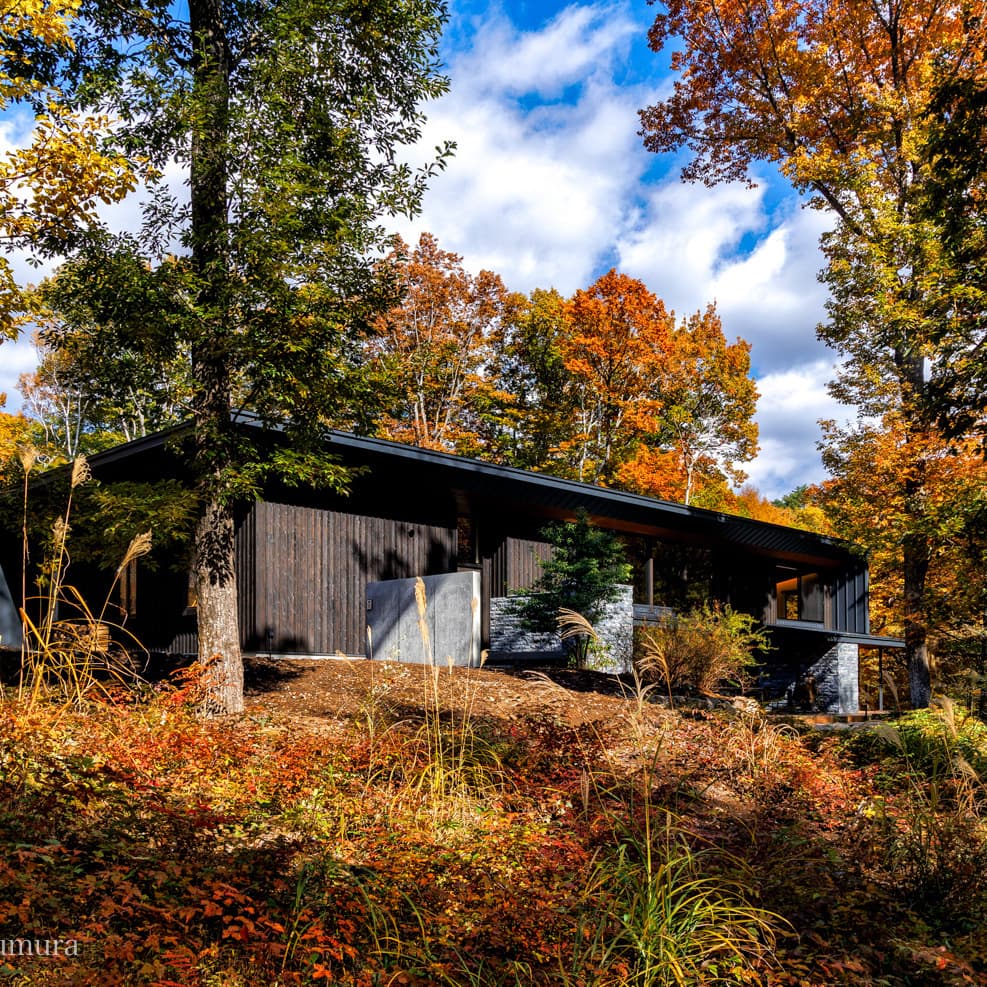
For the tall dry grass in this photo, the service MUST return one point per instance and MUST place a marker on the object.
(69, 650)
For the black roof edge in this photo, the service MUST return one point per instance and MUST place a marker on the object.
(400, 450)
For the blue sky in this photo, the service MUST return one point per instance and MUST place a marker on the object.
(550, 187)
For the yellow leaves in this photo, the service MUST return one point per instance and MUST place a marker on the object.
(53, 185)
(47, 23)
(56, 182)
(15, 433)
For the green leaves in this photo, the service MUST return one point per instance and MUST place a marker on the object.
(586, 567)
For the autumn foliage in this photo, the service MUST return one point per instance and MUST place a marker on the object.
(872, 111)
(605, 387)
(354, 851)
(432, 351)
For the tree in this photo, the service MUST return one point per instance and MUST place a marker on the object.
(433, 349)
(53, 399)
(66, 169)
(530, 369)
(867, 500)
(953, 203)
(98, 381)
(584, 572)
(836, 95)
(290, 118)
(615, 344)
(606, 388)
(708, 401)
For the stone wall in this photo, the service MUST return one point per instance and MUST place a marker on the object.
(616, 632)
(615, 629)
(508, 638)
(836, 679)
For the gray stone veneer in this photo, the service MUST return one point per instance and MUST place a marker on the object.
(615, 629)
(836, 679)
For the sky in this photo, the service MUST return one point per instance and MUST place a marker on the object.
(550, 186)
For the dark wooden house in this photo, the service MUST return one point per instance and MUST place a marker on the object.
(305, 559)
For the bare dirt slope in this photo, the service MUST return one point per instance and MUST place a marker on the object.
(339, 690)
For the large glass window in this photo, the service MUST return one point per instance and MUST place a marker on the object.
(799, 595)
(667, 574)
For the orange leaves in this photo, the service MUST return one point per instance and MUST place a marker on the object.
(663, 409)
(432, 349)
(604, 387)
(826, 88)
(615, 341)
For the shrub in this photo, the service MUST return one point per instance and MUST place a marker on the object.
(700, 649)
(659, 916)
(584, 573)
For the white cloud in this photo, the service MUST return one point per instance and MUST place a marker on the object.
(15, 359)
(791, 404)
(575, 44)
(684, 245)
(536, 190)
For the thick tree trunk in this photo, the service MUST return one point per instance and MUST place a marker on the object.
(219, 632)
(916, 567)
(214, 560)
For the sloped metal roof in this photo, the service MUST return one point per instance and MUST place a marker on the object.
(509, 488)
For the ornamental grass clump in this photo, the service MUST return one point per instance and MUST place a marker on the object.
(658, 915)
(702, 649)
(69, 649)
(444, 769)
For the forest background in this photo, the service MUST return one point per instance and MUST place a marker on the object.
(876, 125)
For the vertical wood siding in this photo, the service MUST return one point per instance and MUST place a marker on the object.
(305, 571)
(850, 601)
(516, 564)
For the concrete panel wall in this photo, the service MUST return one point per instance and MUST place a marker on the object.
(452, 618)
(10, 624)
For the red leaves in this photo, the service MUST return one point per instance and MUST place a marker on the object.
(205, 867)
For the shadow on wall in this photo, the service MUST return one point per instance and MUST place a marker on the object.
(393, 564)
(452, 618)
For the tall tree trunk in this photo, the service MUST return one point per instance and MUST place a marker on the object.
(915, 544)
(214, 563)
(916, 567)
(219, 633)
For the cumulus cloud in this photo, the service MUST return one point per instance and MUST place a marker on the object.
(15, 359)
(792, 401)
(539, 184)
(687, 245)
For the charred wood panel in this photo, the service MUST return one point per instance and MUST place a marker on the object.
(524, 557)
(850, 601)
(312, 567)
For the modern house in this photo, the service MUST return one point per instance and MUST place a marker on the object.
(316, 568)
